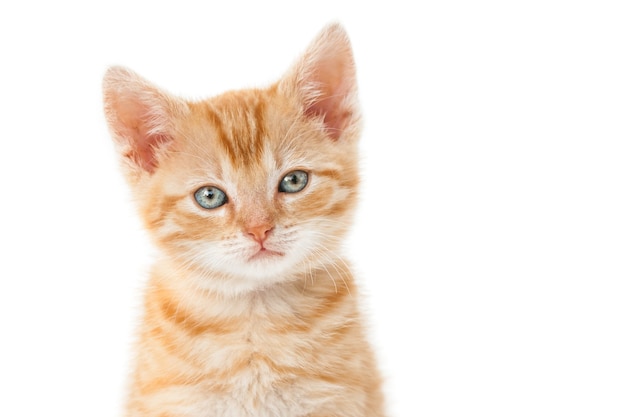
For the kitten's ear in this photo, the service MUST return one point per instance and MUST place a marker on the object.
(324, 80)
(140, 117)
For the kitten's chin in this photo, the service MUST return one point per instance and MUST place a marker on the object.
(245, 273)
(259, 273)
(265, 266)
(265, 255)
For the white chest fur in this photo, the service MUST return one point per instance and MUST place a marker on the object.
(264, 366)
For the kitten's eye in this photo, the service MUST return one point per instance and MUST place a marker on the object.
(293, 182)
(210, 197)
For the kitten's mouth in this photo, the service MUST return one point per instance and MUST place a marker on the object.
(265, 253)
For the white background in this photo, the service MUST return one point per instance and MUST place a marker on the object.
(491, 238)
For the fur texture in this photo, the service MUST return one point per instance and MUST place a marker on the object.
(250, 310)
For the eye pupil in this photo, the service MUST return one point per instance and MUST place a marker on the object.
(210, 197)
(293, 182)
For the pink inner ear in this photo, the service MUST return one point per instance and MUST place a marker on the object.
(144, 152)
(335, 115)
(137, 123)
(331, 103)
(329, 71)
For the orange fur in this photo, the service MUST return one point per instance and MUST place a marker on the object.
(251, 310)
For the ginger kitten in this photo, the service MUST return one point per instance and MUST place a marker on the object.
(251, 309)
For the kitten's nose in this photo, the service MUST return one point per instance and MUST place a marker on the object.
(259, 232)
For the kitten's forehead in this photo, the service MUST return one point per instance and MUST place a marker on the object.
(249, 131)
(246, 141)
(239, 126)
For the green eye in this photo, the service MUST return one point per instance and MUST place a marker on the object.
(210, 197)
(293, 182)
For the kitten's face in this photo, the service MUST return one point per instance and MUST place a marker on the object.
(250, 187)
(251, 190)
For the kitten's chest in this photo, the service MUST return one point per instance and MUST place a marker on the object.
(274, 356)
(261, 371)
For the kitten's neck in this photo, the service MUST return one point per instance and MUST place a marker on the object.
(200, 291)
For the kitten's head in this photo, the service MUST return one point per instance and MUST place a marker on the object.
(251, 187)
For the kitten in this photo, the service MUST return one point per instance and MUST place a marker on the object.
(251, 309)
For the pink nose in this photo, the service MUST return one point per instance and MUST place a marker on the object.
(259, 232)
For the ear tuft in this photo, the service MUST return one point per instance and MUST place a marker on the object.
(140, 117)
(325, 81)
